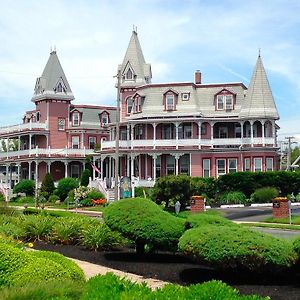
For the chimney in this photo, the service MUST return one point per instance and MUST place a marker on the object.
(198, 77)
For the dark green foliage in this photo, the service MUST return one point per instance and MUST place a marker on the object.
(66, 185)
(47, 185)
(233, 198)
(94, 194)
(27, 199)
(2, 197)
(296, 245)
(206, 218)
(53, 198)
(140, 192)
(111, 287)
(203, 187)
(144, 222)
(236, 247)
(85, 177)
(264, 195)
(25, 186)
(172, 188)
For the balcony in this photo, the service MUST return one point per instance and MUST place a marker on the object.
(188, 143)
(23, 127)
(45, 152)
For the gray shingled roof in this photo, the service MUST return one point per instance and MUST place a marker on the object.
(53, 74)
(259, 101)
(134, 56)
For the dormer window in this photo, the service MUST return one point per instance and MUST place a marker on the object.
(75, 119)
(104, 118)
(129, 74)
(225, 100)
(170, 103)
(60, 87)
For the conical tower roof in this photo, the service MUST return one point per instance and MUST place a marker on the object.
(259, 101)
(53, 83)
(135, 61)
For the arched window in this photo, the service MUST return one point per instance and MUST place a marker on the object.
(129, 74)
(129, 105)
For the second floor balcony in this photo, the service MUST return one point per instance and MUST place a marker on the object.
(30, 126)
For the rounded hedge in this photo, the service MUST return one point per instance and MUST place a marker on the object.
(236, 247)
(25, 186)
(144, 222)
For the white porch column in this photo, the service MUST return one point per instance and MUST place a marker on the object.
(29, 170)
(19, 145)
(128, 166)
(109, 167)
(176, 133)
(263, 131)
(177, 157)
(30, 138)
(7, 174)
(199, 134)
(212, 134)
(131, 135)
(36, 176)
(66, 169)
(132, 167)
(102, 168)
(48, 166)
(251, 131)
(154, 135)
(242, 130)
(18, 172)
(94, 171)
(154, 156)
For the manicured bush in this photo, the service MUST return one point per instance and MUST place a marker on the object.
(85, 177)
(170, 189)
(65, 185)
(47, 186)
(144, 222)
(101, 237)
(110, 286)
(236, 247)
(264, 195)
(25, 186)
(94, 194)
(233, 198)
(53, 198)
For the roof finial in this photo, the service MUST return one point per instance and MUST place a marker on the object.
(134, 28)
(258, 52)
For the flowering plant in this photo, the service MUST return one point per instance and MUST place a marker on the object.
(81, 192)
(99, 201)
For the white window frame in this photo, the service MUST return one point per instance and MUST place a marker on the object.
(170, 165)
(254, 164)
(185, 96)
(225, 102)
(246, 161)
(187, 164)
(61, 124)
(269, 159)
(129, 100)
(75, 119)
(170, 106)
(228, 104)
(104, 119)
(92, 138)
(231, 170)
(74, 139)
(217, 165)
(204, 169)
(220, 102)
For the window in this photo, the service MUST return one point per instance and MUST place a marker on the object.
(129, 74)
(203, 129)
(170, 102)
(237, 130)
(168, 131)
(138, 132)
(224, 102)
(269, 164)
(247, 167)
(221, 167)
(170, 164)
(129, 105)
(158, 166)
(185, 131)
(75, 171)
(223, 132)
(60, 87)
(61, 124)
(92, 142)
(104, 119)
(75, 142)
(232, 165)
(184, 162)
(185, 96)
(206, 167)
(123, 134)
(75, 119)
(257, 164)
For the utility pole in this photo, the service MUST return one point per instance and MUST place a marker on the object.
(289, 143)
(117, 137)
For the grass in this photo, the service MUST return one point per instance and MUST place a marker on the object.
(279, 226)
(295, 220)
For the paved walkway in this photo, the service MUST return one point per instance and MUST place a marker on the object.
(91, 270)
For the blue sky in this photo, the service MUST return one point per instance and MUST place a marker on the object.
(221, 38)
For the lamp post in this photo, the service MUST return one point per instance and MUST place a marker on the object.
(117, 137)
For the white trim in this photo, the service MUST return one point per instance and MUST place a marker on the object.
(228, 165)
(261, 165)
(203, 174)
(217, 167)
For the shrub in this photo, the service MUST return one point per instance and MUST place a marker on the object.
(100, 237)
(110, 286)
(25, 186)
(171, 189)
(203, 186)
(47, 185)
(27, 199)
(65, 185)
(141, 191)
(144, 222)
(85, 177)
(94, 194)
(264, 195)
(296, 245)
(53, 198)
(233, 198)
(236, 247)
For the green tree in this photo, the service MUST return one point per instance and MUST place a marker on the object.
(47, 185)
(66, 185)
(86, 174)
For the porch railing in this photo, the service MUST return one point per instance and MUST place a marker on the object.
(23, 127)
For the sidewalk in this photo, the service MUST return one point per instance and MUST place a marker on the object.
(91, 270)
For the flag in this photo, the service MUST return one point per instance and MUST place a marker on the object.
(95, 168)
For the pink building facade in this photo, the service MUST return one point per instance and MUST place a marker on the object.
(192, 128)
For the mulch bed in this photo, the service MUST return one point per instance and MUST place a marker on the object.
(178, 269)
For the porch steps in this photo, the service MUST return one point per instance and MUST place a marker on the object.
(111, 194)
